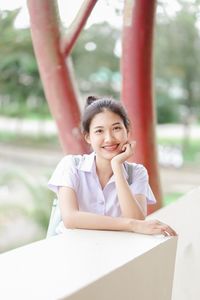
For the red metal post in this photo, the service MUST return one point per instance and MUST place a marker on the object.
(137, 90)
(55, 74)
(77, 25)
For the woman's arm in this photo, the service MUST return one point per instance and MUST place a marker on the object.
(73, 218)
(131, 206)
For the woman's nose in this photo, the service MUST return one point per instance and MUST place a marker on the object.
(108, 136)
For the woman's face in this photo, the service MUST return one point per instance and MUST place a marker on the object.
(107, 134)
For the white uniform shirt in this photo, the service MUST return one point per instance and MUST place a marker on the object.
(82, 178)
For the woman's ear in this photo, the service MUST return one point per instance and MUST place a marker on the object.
(87, 138)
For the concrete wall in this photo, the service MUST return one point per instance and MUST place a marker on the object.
(184, 217)
(90, 265)
(148, 276)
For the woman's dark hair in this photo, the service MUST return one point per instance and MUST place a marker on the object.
(95, 105)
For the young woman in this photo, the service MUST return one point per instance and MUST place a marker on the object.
(93, 190)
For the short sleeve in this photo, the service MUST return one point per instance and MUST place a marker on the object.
(65, 174)
(140, 184)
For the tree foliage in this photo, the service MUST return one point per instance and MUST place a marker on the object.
(97, 64)
(20, 85)
(177, 61)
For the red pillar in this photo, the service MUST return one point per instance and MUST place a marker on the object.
(137, 85)
(55, 74)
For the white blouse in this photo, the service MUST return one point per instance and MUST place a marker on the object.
(82, 178)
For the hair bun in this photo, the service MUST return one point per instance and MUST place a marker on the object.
(91, 99)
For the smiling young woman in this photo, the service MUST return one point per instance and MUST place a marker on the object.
(95, 193)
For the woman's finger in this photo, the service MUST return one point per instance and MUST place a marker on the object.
(167, 230)
(164, 228)
(133, 144)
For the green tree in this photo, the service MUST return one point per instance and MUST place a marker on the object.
(177, 61)
(95, 61)
(20, 85)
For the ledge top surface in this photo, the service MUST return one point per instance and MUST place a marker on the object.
(61, 265)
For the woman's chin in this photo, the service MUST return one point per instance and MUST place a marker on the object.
(110, 154)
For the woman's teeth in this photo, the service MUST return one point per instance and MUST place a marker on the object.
(111, 147)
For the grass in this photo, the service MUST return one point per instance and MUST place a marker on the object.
(172, 197)
(22, 112)
(191, 157)
(190, 150)
(34, 210)
(35, 141)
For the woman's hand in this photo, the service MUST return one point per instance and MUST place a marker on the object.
(127, 152)
(152, 227)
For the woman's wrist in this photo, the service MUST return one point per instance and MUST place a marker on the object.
(130, 224)
(116, 165)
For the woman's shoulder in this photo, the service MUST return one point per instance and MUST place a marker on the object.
(76, 160)
(136, 167)
(71, 160)
(137, 170)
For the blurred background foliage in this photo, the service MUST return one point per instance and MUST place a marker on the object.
(96, 60)
(96, 63)
(177, 59)
(21, 91)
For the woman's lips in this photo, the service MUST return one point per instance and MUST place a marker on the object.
(111, 147)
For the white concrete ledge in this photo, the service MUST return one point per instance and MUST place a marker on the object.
(83, 264)
(184, 216)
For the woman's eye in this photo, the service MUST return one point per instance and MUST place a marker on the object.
(117, 128)
(99, 131)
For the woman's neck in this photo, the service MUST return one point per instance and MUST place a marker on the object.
(103, 170)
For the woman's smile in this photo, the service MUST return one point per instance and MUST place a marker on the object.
(111, 147)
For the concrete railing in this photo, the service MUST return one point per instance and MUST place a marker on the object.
(184, 216)
(90, 265)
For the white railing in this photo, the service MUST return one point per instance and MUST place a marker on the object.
(184, 216)
(91, 265)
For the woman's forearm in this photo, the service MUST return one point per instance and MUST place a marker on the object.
(86, 220)
(127, 201)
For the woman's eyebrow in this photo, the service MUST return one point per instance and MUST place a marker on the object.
(98, 127)
(116, 123)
